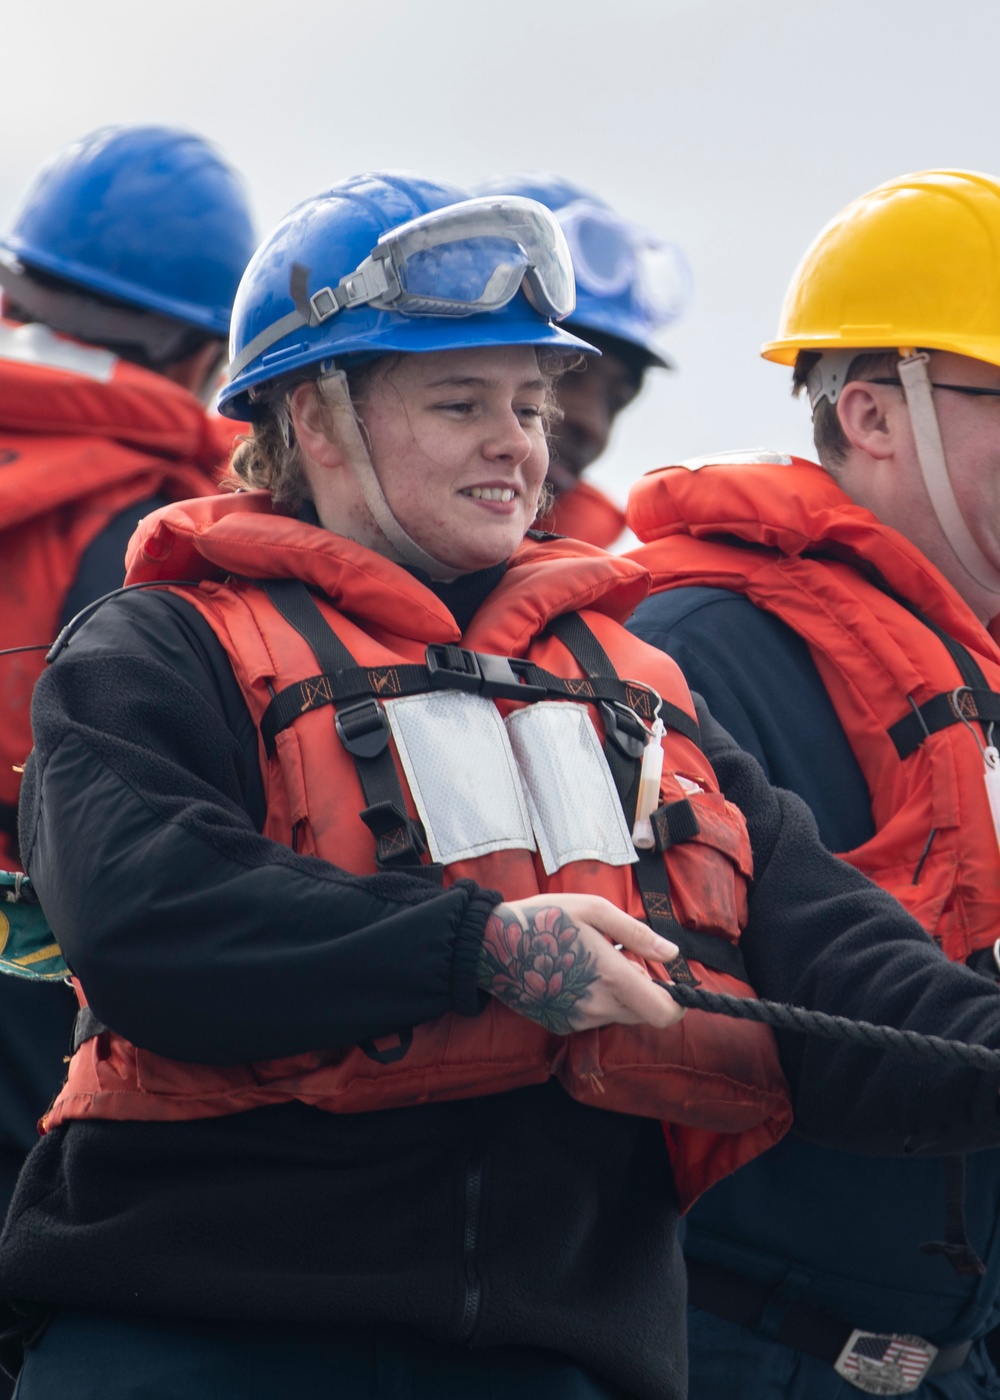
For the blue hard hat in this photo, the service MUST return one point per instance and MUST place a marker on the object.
(326, 239)
(615, 296)
(147, 215)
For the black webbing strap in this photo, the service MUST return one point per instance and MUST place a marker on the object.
(965, 704)
(675, 823)
(8, 819)
(625, 735)
(577, 637)
(339, 686)
(956, 1247)
(625, 740)
(794, 1322)
(972, 701)
(364, 731)
(447, 667)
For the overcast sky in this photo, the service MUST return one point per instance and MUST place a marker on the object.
(736, 128)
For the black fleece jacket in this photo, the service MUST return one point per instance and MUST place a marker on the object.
(522, 1218)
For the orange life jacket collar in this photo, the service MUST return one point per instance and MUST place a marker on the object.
(211, 539)
(829, 569)
(586, 514)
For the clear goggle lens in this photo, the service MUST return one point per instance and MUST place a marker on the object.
(665, 282)
(612, 257)
(475, 272)
(475, 256)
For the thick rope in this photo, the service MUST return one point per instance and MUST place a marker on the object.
(818, 1023)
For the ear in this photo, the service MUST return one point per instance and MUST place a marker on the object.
(311, 433)
(871, 416)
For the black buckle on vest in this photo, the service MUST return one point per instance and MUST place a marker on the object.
(624, 729)
(363, 728)
(497, 677)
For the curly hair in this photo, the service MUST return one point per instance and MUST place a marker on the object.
(269, 458)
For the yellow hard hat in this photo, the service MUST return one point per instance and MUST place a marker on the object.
(914, 263)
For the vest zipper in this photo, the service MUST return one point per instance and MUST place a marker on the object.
(470, 1241)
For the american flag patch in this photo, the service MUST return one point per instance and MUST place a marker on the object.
(884, 1363)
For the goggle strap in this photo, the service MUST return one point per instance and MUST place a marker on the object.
(372, 279)
(367, 282)
(268, 336)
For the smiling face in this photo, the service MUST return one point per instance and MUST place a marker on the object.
(457, 441)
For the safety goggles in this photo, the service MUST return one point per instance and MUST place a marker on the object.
(461, 260)
(457, 261)
(612, 257)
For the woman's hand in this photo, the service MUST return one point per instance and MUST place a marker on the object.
(552, 958)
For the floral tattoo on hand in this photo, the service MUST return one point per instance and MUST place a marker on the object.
(541, 971)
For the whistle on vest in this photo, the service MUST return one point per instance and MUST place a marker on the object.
(650, 774)
(991, 757)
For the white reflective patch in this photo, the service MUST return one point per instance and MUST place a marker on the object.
(37, 345)
(462, 774)
(571, 794)
(750, 457)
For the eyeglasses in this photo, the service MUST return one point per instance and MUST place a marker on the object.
(973, 390)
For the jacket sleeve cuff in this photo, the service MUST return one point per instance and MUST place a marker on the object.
(466, 995)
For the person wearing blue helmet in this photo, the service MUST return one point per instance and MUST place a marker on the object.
(118, 272)
(117, 275)
(630, 285)
(370, 834)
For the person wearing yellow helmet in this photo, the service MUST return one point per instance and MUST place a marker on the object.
(838, 619)
(913, 268)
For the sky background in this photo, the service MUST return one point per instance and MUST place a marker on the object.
(736, 128)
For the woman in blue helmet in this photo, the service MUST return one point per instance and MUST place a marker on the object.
(340, 826)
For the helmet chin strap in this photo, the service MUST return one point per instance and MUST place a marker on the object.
(934, 468)
(338, 397)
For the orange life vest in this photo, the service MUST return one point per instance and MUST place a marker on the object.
(83, 435)
(715, 1081)
(841, 579)
(585, 514)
